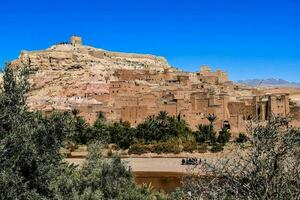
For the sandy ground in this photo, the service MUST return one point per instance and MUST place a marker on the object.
(159, 164)
(156, 164)
(147, 164)
(164, 162)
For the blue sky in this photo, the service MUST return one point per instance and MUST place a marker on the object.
(247, 38)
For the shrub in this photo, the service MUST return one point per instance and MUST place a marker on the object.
(121, 134)
(170, 146)
(270, 170)
(224, 136)
(190, 146)
(166, 147)
(202, 148)
(139, 149)
(217, 148)
(242, 138)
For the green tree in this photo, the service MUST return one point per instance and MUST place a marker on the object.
(99, 130)
(30, 143)
(82, 132)
(12, 98)
(122, 134)
(211, 118)
(224, 136)
(161, 128)
(100, 178)
(31, 166)
(205, 134)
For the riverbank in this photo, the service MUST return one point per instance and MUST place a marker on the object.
(163, 162)
(163, 171)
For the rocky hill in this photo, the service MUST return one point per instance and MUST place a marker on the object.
(65, 71)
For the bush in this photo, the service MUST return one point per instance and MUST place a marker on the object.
(242, 138)
(190, 146)
(166, 147)
(159, 148)
(224, 136)
(270, 170)
(217, 148)
(139, 149)
(121, 134)
(202, 148)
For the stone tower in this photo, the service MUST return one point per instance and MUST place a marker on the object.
(75, 40)
(205, 69)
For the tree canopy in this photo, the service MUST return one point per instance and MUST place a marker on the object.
(31, 165)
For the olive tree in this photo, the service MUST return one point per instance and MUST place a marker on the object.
(100, 178)
(31, 166)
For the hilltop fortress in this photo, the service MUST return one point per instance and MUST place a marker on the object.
(130, 87)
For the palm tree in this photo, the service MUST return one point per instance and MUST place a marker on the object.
(101, 116)
(162, 115)
(162, 119)
(211, 118)
(75, 112)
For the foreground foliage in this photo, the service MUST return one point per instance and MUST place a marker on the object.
(270, 170)
(99, 178)
(31, 166)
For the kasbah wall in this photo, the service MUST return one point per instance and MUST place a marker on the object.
(132, 99)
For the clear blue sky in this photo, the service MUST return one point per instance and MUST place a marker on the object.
(247, 38)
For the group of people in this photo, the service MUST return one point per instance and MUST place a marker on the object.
(191, 161)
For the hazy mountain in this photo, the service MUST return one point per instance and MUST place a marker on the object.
(271, 82)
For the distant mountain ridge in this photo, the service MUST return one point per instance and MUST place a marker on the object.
(270, 82)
